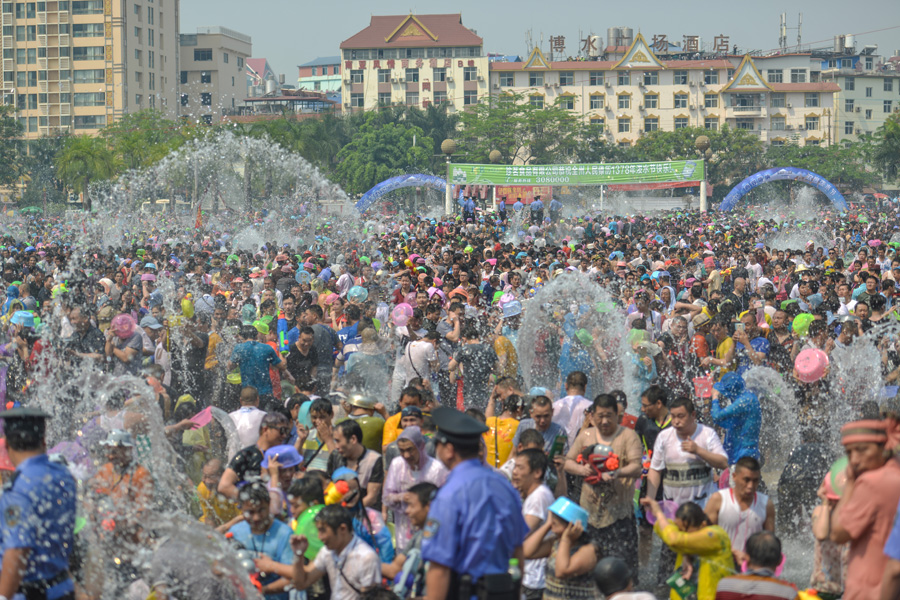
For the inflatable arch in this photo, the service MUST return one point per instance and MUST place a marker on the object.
(779, 173)
(399, 182)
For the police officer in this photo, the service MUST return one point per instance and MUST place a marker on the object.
(37, 514)
(501, 209)
(475, 524)
(555, 210)
(469, 210)
(537, 211)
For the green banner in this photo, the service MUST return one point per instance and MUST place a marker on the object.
(591, 174)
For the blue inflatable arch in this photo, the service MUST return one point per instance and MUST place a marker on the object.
(396, 183)
(779, 173)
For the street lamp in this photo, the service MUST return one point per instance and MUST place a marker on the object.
(448, 147)
(702, 146)
(494, 157)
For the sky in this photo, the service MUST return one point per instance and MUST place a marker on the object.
(291, 32)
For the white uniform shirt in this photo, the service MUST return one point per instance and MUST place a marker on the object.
(688, 478)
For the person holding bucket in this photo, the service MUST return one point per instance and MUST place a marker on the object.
(571, 555)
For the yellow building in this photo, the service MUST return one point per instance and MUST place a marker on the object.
(74, 66)
(639, 93)
(415, 60)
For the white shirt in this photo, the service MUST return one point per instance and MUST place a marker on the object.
(741, 524)
(568, 413)
(246, 421)
(536, 505)
(688, 478)
(359, 564)
(414, 361)
(755, 272)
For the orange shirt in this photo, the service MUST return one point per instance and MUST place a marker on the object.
(391, 430)
(132, 488)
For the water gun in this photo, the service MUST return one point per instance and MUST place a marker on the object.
(645, 462)
(336, 491)
(808, 594)
(601, 459)
(282, 328)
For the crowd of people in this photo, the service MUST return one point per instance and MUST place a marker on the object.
(500, 404)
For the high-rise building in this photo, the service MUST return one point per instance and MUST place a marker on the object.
(212, 79)
(415, 60)
(78, 65)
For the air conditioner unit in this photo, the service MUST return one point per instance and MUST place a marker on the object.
(641, 84)
(607, 84)
(788, 126)
(702, 84)
(789, 105)
(480, 78)
(546, 85)
(449, 78)
(394, 80)
(641, 107)
(403, 80)
(693, 107)
(346, 82)
(556, 85)
(346, 105)
(857, 132)
(693, 84)
(496, 86)
(858, 109)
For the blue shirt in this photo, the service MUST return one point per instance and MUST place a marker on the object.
(550, 435)
(37, 511)
(537, 205)
(275, 543)
(518, 206)
(348, 335)
(741, 421)
(555, 205)
(892, 547)
(254, 359)
(475, 522)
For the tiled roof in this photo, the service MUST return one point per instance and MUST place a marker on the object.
(323, 60)
(405, 31)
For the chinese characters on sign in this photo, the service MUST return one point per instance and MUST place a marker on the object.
(660, 43)
(720, 43)
(691, 43)
(588, 46)
(582, 174)
(558, 44)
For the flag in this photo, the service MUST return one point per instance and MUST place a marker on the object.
(199, 222)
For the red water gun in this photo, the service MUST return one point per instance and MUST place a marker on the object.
(602, 459)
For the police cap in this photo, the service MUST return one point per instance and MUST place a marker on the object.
(24, 420)
(24, 412)
(455, 427)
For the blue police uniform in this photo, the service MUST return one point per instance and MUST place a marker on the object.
(537, 211)
(475, 522)
(469, 209)
(37, 511)
(518, 206)
(555, 209)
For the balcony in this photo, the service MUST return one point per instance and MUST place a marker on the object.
(42, 40)
(745, 111)
(65, 109)
(64, 62)
(63, 17)
(7, 41)
(42, 64)
(65, 86)
(8, 64)
(43, 86)
(45, 109)
(64, 39)
(42, 18)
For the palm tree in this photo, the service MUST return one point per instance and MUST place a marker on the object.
(85, 159)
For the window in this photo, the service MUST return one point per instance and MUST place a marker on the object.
(599, 123)
(151, 39)
(90, 99)
(711, 77)
(441, 75)
(90, 121)
(137, 34)
(20, 33)
(412, 75)
(240, 61)
(777, 123)
(384, 98)
(203, 54)
(470, 73)
(596, 78)
(567, 102)
(20, 10)
(849, 83)
(624, 101)
(440, 97)
(356, 76)
(87, 7)
(777, 143)
(846, 63)
(798, 75)
(470, 97)
(651, 124)
(868, 113)
(536, 79)
(868, 92)
(225, 57)
(596, 101)
(624, 125)
(745, 124)
(83, 30)
(811, 100)
(205, 77)
(777, 100)
(775, 75)
(536, 101)
(711, 123)
(139, 78)
(356, 100)
(137, 11)
(681, 78)
(651, 100)
(812, 123)
(89, 76)
(87, 53)
(888, 108)
(624, 78)
(812, 142)
(651, 78)
(412, 98)
(384, 75)
(566, 78)
(150, 15)
(29, 10)
(32, 101)
(206, 99)
(205, 119)
(848, 128)
(869, 62)
(324, 69)
(32, 123)
(681, 100)
(152, 84)
(888, 85)
(506, 79)
(20, 79)
(184, 100)
(711, 100)
(848, 105)
(20, 56)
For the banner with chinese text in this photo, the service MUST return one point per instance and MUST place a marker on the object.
(589, 174)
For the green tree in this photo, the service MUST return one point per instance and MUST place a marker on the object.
(520, 131)
(11, 167)
(84, 160)
(885, 148)
(841, 164)
(378, 152)
(40, 164)
(142, 138)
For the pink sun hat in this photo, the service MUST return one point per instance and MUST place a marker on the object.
(810, 365)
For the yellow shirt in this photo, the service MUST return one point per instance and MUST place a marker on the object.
(710, 546)
(504, 347)
(212, 360)
(215, 507)
(503, 431)
(722, 351)
(391, 430)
